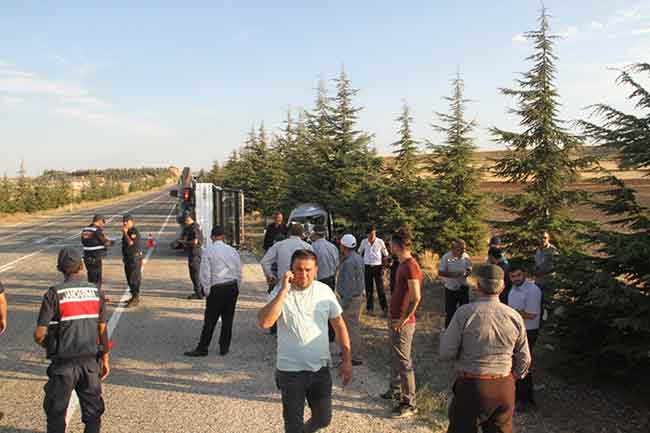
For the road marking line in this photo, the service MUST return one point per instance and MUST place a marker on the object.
(115, 318)
(7, 266)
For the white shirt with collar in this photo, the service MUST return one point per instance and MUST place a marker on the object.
(451, 263)
(373, 253)
(527, 297)
(220, 264)
(280, 254)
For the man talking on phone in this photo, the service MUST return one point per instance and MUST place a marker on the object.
(302, 308)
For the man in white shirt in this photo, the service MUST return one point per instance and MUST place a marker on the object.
(525, 297)
(328, 261)
(220, 278)
(454, 268)
(374, 251)
(302, 308)
(277, 260)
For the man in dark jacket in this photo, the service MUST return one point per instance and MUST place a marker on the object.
(72, 328)
(192, 239)
(275, 232)
(95, 244)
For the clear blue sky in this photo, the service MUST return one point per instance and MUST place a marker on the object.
(123, 83)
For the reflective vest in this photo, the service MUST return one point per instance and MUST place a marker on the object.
(93, 246)
(73, 332)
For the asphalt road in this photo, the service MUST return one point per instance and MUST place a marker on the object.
(152, 386)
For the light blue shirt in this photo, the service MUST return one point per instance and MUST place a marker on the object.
(328, 258)
(303, 341)
(280, 254)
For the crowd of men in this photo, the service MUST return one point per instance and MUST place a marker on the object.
(316, 291)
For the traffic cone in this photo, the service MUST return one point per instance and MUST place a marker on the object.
(151, 242)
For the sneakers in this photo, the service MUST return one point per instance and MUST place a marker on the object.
(357, 362)
(392, 395)
(404, 410)
(133, 302)
(223, 351)
(197, 352)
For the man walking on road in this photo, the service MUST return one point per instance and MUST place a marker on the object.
(302, 308)
(192, 239)
(132, 258)
(403, 305)
(95, 244)
(220, 279)
(72, 328)
(454, 268)
(373, 250)
(328, 262)
(526, 298)
(349, 286)
(487, 341)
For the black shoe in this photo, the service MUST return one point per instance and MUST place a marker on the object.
(357, 362)
(197, 352)
(392, 395)
(133, 302)
(195, 296)
(223, 351)
(404, 410)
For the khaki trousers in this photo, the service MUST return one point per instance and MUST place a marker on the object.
(351, 316)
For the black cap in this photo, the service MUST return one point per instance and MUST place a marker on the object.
(99, 217)
(69, 260)
(127, 217)
(489, 272)
(217, 231)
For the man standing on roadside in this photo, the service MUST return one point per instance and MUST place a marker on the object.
(350, 286)
(454, 268)
(220, 279)
(544, 262)
(277, 260)
(192, 239)
(95, 243)
(302, 308)
(487, 342)
(526, 298)
(275, 232)
(403, 305)
(132, 258)
(3, 310)
(328, 262)
(72, 328)
(373, 250)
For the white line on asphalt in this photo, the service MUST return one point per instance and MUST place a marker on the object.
(9, 265)
(112, 323)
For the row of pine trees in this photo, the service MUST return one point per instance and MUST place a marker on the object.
(322, 156)
(53, 189)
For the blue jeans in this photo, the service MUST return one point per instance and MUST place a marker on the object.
(316, 388)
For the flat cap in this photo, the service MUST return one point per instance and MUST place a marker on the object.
(99, 217)
(489, 272)
(69, 260)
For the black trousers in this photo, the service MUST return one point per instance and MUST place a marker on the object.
(194, 264)
(453, 300)
(221, 302)
(298, 386)
(133, 272)
(81, 376)
(331, 282)
(94, 269)
(375, 274)
(525, 388)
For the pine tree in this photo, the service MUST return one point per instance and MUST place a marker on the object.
(607, 325)
(406, 148)
(456, 181)
(544, 156)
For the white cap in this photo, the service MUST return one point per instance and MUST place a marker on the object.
(349, 241)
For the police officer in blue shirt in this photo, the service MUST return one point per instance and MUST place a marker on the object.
(95, 243)
(192, 239)
(72, 328)
(132, 258)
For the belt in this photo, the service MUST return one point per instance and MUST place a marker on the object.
(227, 284)
(465, 375)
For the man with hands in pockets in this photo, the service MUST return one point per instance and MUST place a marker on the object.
(302, 308)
